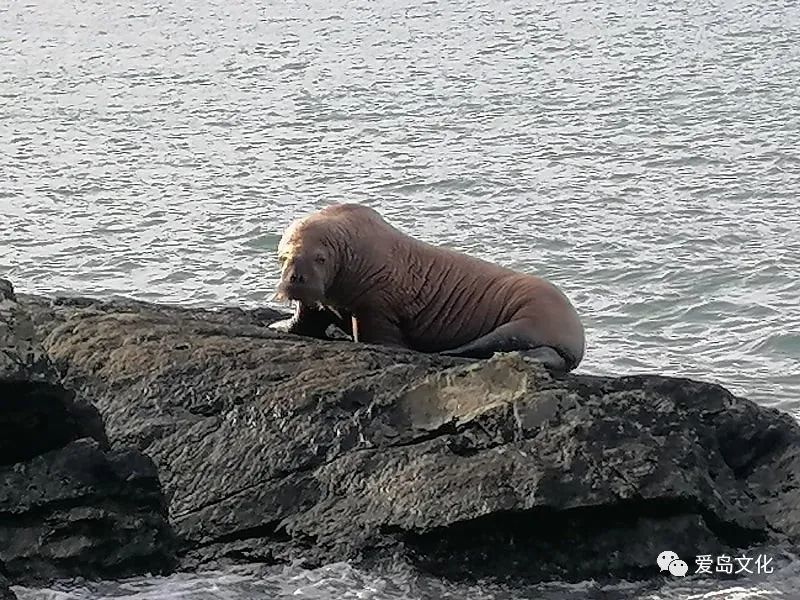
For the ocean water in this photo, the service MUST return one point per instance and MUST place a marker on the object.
(343, 582)
(645, 156)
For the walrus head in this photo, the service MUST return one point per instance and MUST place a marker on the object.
(308, 262)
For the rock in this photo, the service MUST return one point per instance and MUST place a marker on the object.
(274, 447)
(5, 590)
(21, 359)
(48, 313)
(69, 505)
(103, 514)
(38, 414)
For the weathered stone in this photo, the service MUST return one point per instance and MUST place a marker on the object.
(275, 447)
(80, 510)
(47, 313)
(21, 358)
(68, 504)
(5, 590)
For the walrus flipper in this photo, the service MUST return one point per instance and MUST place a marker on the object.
(548, 356)
(509, 338)
(315, 321)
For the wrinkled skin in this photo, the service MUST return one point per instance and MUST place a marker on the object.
(346, 260)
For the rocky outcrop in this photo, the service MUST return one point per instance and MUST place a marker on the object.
(274, 447)
(69, 504)
(5, 590)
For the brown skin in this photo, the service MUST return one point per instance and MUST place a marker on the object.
(404, 292)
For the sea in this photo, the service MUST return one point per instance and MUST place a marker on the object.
(642, 155)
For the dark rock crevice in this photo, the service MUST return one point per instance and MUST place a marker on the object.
(271, 530)
(743, 456)
(543, 544)
(547, 541)
(39, 416)
(5, 588)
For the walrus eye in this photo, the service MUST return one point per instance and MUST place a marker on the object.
(320, 260)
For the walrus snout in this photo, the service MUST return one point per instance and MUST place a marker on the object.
(296, 286)
(297, 278)
(299, 291)
(303, 279)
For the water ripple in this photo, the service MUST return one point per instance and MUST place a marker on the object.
(341, 581)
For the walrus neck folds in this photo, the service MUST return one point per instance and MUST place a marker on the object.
(366, 269)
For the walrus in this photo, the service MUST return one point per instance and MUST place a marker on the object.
(346, 265)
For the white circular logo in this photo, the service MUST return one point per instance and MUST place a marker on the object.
(678, 568)
(666, 557)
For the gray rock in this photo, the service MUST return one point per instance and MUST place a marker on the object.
(37, 414)
(5, 590)
(81, 510)
(274, 447)
(69, 505)
(47, 313)
(21, 358)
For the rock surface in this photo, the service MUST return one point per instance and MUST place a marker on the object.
(69, 504)
(274, 447)
(5, 590)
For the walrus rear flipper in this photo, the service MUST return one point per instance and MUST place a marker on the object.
(509, 338)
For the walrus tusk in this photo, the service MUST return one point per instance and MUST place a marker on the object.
(335, 311)
(325, 307)
(280, 298)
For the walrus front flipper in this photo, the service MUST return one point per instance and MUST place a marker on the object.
(509, 338)
(315, 321)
